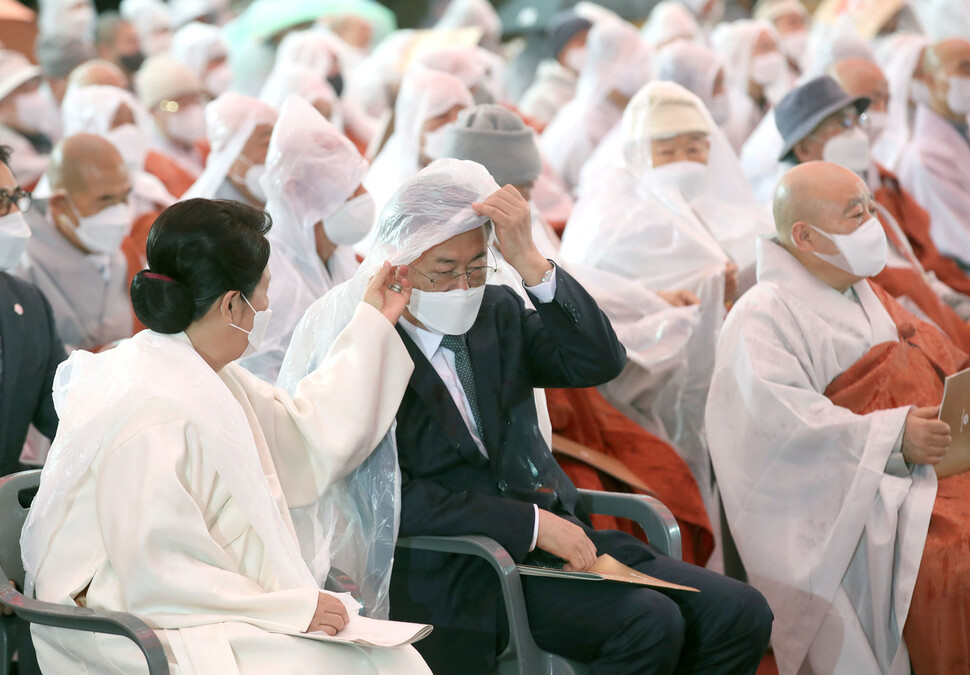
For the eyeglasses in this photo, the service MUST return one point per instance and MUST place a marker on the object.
(17, 196)
(449, 281)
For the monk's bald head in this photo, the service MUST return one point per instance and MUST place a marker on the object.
(81, 160)
(860, 77)
(947, 55)
(813, 192)
(98, 71)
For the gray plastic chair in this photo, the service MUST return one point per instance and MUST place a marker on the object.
(522, 655)
(52, 614)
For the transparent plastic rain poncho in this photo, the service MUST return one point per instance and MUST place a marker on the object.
(945, 19)
(311, 171)
(67, 17)
(153, 21)
(478, 69)
(92, 110)
(361, 514)
(689, 64)
(424, 94)
(291, 79)
(373, 84)
(669, 21)
(616, 59)
(229, 120)
(474, 14)
(898, 57)
(93, 393)
(635, 227)
(196, 44)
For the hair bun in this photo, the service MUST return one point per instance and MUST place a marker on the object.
(160, 302)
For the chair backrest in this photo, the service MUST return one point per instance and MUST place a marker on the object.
(12, 517)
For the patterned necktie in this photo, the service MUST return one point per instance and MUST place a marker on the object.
(463, 364)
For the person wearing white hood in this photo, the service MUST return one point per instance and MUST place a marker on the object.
(790, 19)
(173, 96)
(74, 254)
(617, 65)
(670, 21)
(319, 209)
(238, 130)
(901, 58)
(691, 65)
(935, 167)
(292, 79)
(75, 18)
(555, 77)
(757, 74)
(153, 21)
(23, 109)
(680, 215)
(428, 101)
(203, 49)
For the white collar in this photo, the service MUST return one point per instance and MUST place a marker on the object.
(426, 341)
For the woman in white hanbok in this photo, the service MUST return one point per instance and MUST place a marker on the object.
(167, 489)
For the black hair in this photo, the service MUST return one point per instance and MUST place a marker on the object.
(5, 152)
(206, 247)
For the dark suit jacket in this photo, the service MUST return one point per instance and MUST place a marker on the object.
(450, 488)
(31, 353)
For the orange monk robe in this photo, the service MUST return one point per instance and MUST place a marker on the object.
(175, 179)
(584, 416)
(911, 372)
(909, 281)
(133, 246)
(915, 222)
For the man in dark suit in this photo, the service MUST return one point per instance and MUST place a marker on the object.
(30, 349)
(473, 461)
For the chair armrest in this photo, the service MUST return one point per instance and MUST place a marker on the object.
(649, 513)
(89, 620)
(528, 655)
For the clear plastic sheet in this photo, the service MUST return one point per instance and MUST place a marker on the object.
(670, 20)
(898, 57)
(311, 171)
(196, 44)
(93, 393)
(153, 21)
(734, 42)
(944, 19)
(230, 120)
(360, 517)
(298, 80)
(474, 14)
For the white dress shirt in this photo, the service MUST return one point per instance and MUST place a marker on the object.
(443, 362)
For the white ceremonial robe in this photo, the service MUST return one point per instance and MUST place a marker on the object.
(152, 529)
(831, 538)
(88, 293)
(935, 169)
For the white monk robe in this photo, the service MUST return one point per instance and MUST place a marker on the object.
(830, 524)
(935, 169)
(179, 509)
(88, 292)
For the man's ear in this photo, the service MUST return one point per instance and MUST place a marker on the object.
(60, 210)
(802, 152)
(800, 233)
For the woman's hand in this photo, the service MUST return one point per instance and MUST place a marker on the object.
(382, 292)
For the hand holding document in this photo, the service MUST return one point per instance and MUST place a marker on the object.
(367, 632)
(606, 568)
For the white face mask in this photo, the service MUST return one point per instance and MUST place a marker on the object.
(258, 332)
(721, 108)
(449, 312)
(105, 230)
(129, 140)
(849, 149)
(187, 124)
(254, 181)
(958, 96)
(768, 68)
(351, 222)
(218, 79)
(878, 122)
(862, 252)
(687, 178)
(32, 110)
(14, 235)
(434, 142)
(919, 92)
(795, 44)
(575, 58)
